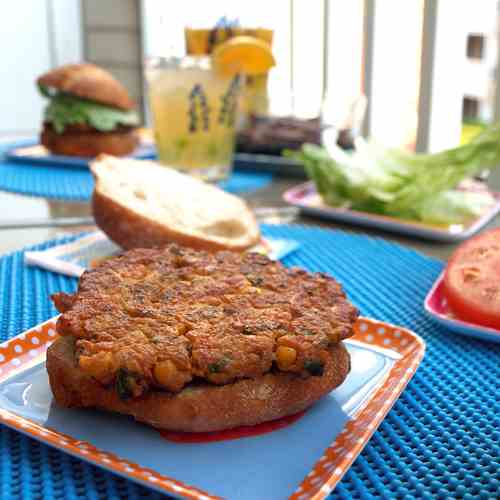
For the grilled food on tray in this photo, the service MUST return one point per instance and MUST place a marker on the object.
(272, 135)
(193, 341)
(89, 112)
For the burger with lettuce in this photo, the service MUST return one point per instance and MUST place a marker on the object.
(89, 112)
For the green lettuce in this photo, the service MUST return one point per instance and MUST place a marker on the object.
(402, 184)
(64, 110)
(452, 207)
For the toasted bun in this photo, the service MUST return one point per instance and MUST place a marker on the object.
(89, 82)
(90, 143)
(198, 407)
(141, 204)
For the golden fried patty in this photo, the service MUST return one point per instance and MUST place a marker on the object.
(163, 317)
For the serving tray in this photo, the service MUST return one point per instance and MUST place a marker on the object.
(305, 197)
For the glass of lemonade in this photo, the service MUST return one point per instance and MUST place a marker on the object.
(194, 112)
(255, 98)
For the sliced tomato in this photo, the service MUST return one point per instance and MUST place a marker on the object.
(472, 280)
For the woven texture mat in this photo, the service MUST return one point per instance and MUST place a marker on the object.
(76, 183)
(440, 440)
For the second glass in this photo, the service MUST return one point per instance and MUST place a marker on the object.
(194, 112)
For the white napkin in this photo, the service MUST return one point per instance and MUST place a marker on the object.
(72, 259)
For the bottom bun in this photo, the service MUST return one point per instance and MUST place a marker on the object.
(199, 407)
(90, 143)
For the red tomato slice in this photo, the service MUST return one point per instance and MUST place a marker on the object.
(472, 280)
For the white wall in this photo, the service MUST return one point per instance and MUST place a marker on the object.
(442, 82)
(163, 34)
(35, 35)
(112, 40)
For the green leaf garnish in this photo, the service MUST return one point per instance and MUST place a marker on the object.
(64, 110)
(123, 384)
(45, 91)
(314, 366)
(218, 366)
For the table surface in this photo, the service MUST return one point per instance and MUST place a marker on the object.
(428, 447)
(14, 206)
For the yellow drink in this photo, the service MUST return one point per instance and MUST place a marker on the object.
(194, 113)
(255, 99)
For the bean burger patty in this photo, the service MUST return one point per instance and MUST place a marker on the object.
(158, 319)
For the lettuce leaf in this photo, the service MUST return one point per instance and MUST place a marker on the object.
(64, 110)
(452, 207)
(402, 184)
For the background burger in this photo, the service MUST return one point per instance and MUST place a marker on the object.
(89, 112)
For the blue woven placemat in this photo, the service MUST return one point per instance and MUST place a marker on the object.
(76, 183)
(441, 439)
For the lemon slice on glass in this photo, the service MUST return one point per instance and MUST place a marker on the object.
(243, 54)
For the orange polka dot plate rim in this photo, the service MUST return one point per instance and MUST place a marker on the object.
(303, 460)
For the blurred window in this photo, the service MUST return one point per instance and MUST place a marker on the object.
(475, 46)
(470, 109)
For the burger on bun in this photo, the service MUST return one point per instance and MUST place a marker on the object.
(89, 112)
